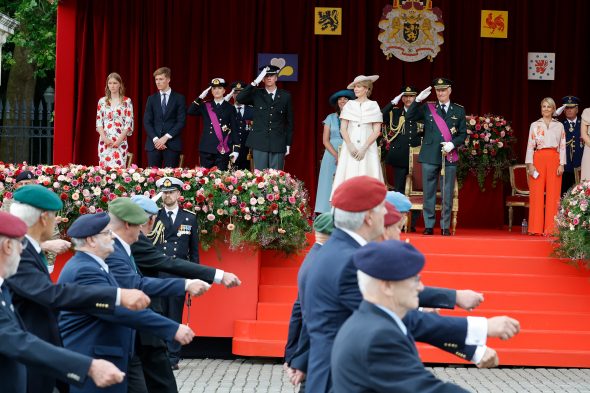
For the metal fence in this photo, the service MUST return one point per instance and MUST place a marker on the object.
(26, 132)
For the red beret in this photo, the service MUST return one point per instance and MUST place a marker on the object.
(12, 226)
(359, 194)
(392, 216)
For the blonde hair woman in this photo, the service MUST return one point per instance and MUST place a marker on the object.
(360, 126)
(545, 160)
(114, 123)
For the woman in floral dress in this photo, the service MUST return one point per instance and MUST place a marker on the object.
(114, 123)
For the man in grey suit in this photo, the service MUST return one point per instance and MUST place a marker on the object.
(272, 131)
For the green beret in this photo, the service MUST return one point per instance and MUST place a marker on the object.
(38, 196)
(125, 210)
(324, 223)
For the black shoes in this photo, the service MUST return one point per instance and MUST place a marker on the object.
(445, 232)
(428, 231)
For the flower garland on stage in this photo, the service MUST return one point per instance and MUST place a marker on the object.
(573, 225)
(264, 209)
(487, 149)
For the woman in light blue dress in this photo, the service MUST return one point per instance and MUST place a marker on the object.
(332, 141)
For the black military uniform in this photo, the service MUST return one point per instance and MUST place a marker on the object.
(213, 150)
(244, 116)
(574, 145)
(272, 129)
(176, 234)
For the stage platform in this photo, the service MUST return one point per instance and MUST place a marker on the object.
(515, 272)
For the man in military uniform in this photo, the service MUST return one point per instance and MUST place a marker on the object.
(219, 141)
(575, 145)
(244, 116)
(176, 233)
(444, 130)
(272, 130)
(402, 134)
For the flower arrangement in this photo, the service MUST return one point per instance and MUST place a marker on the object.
(264, 209)
(487, 149)
(573, 225)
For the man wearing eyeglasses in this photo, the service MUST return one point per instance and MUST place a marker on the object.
(36, 298)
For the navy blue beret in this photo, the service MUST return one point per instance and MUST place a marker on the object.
(389, 260)
(25, 175)
(89, 225)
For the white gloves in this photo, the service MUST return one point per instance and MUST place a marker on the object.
(205, 92)
(559, 110)
(234, 156)
(447, 146)
(288, 150)
(423, 94)
(397, 98)
(228, 96)
(260, 76)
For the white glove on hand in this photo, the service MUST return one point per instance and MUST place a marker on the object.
(397, 98)
(205, 92)
(234, 156)
(228, 96)
(423, 94)
(559, 111)
(260, 76)
(447, 146)
(288, 150)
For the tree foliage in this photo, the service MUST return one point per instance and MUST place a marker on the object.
(36, 33)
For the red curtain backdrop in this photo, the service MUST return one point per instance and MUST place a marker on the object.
(200, 40)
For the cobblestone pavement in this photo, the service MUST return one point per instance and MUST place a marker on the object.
(262, 375)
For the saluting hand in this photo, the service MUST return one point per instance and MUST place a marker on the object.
(260, 76)
(423, 94)
(228, 96)
(559, 110)
(397, 98)
(204, 93)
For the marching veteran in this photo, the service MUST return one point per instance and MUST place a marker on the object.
(374, 351)
(21, 349)
(445, 129)
(36, 298)
(109, 336)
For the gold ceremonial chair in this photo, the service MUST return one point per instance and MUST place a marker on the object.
(519, 181)
(415, 192)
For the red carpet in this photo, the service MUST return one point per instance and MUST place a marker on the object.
(516, 273)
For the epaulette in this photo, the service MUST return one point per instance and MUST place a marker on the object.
(459, 105)
(189, 211)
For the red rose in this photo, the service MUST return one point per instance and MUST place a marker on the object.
(63, 196)
(104, 199)
(83, 209)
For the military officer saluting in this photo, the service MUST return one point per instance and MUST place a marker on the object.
(445, 129)
(272, 130)
(219, 141)
(402, 134)
(574, 144)
(244, 115)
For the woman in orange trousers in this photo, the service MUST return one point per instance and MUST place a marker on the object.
(545, 158)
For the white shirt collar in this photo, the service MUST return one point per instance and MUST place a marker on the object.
(395, 317)
(126, 246)
(174, 211)
(35, 243)
(358, 238)
(447, 104)
(166, 92)
(572, 121)
(100, 261)
(271, 92)
(1, 281)
(218, 101)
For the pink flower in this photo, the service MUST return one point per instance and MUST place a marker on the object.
(270, 197)
(231, 227)
(292, 200)
(210, 217)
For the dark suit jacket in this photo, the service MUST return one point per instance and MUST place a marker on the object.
(372, 354)
(575, 146)
(332, 294)
(225, 115)
(173, 241)
(105, 336)
(430, 153)
(157, 124)
(272, 129)
(38, 300)
(399, 149)
(20, 350)
(151, 262)
(243, 129)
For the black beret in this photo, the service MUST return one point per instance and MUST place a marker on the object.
(389, 260)
(89, 225)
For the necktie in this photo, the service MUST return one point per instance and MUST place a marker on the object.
(443, 110)
(133, 263)
(164, 103)
(42, 255)
(170, 220)
(572, 125)
(272, 96)
(241, 111)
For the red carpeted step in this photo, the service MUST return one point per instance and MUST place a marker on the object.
(277, 293)
(253, 347)
(535, 301)
(279, 259)
(262, 330)
(274, 311)
(278, 275)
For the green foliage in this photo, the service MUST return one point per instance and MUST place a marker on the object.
(36, 33)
